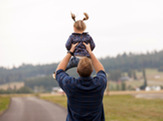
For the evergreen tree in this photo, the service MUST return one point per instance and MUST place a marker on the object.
(123, 85)
(134, 75)
(145, 79)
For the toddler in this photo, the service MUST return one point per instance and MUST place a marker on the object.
(79, 36)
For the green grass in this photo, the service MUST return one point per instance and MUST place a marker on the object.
(151, 73)
(125, 108)
(61, 100)
(128, 108)
(4, 103)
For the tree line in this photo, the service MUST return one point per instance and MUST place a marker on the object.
(37, 75)
(124, 63)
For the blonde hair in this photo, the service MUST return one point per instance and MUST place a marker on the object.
(80, 25)
(85, 67)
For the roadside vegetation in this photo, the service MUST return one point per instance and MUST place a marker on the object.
(4, 103)
(124, 107)
(59, 99)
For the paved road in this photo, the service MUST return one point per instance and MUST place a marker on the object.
(33, 109)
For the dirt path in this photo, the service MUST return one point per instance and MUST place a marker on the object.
(33, 109)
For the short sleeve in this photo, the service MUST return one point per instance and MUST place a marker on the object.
(65, 81)
(102, 74)
(101, 78)
(62, 77)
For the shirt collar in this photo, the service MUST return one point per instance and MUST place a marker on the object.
(79, 33)
(85, 78)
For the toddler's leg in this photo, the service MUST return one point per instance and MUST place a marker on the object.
(72, 63)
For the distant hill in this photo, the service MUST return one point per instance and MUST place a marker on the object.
(126, 62)
(123, 62)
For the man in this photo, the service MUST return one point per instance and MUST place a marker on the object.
(84, 94)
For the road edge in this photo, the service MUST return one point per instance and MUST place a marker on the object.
(54, 104)
(3, 112)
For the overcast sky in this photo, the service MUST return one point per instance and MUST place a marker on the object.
(35, 31)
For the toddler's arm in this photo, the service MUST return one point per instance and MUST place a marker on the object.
(68, 43)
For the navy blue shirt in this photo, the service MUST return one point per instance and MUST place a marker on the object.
(84, 96)
(80, 49)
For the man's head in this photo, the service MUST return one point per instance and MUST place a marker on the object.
(85, 67)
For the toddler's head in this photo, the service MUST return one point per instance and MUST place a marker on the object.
(79, 26)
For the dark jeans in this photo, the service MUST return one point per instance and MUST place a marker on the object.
(72, 63)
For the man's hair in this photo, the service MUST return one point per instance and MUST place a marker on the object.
(85, 67)
(80, 25)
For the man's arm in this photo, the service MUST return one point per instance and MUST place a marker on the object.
(63, 64)
(96, 63)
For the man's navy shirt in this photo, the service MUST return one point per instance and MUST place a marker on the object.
(84, 96)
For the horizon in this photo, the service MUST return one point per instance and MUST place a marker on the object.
(35, 31)
(39, 64)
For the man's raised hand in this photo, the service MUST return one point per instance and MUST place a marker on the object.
(88, 47)
(73, 47)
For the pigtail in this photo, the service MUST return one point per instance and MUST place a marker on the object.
(86, 17)
(73, 16)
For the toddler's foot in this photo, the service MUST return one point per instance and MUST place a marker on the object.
(53, 75)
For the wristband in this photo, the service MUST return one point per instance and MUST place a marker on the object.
(71, 53)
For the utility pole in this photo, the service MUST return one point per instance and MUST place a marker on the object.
(145, 79)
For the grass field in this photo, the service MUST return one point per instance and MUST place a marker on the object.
(154, 78)
(4, 103)
(124, 107)
(152, 75)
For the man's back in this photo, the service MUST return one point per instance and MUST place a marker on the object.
(84, 95)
